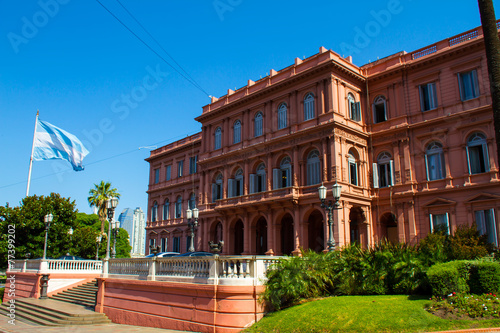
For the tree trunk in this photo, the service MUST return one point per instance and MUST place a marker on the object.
(492, 47)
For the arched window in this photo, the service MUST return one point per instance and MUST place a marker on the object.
(192, 201)
(354, 108)
(237, 132)
(313, 168)
(235, 186)
(217, 188)
(166, 210)
(154, 212)
(218, 138)
(477, 153)
(257, 126)
(379, 109)
(258, 179)
(309, 106)
(282, 110)
(434, 161)
(353, 167)
(218, 235)
(282, 177)
(383, 171)
(178, 207)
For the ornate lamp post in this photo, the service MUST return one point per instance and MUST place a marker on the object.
(98, 242)
(115, 232)
(110, 205)
(48, 218)
(154, 250)
(336, 189)
(192, 217)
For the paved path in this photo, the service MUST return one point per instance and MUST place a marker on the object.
(23, 327)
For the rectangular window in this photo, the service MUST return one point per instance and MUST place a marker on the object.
(469, 87)
(152, 243)
(157, 176)
(176, 245)
(353, 173)
(435, 166)
(477, 158)
(163, 245)
(440, 222)
(282, 118)
(383, 174)
(180, 168)
(355, 111)
(193, 161)
(169, 172)
(428, 97)
(486, 225)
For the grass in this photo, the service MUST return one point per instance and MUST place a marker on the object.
(392, 313)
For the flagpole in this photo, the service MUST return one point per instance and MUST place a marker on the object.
(31, 158)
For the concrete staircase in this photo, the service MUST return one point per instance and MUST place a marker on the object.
(49, 312)
(81, 295)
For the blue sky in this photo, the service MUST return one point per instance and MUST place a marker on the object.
(88, 75)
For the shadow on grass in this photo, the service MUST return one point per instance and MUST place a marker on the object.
(418, 297)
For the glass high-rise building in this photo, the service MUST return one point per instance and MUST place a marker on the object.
(135, 223)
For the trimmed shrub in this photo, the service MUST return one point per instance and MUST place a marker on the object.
(484, 277)
(449, 277)
(466, 244)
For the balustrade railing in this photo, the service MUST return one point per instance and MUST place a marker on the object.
(56, 266)
(129, 266)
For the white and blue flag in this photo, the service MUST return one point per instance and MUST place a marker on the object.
(51, 142)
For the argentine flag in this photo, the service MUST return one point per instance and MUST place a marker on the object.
(51, 142)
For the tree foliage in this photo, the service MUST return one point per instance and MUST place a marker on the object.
(98, 197)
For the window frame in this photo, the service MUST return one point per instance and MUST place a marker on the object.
(433, 149)
(481, 145)
(258, 126)
(237, 132)
(354, 108)
(180, 168)
(154, 212)
(428, 93)
(282, 116)
(309, 106)
(468, 92)
(166, 210)
(432, 218)
(168, 172)
(218, 138)
(178, 207)
(156, 176)
(384, 163)
(313, 168)
(486, 224)
(379, 100)
(353, 169)
(193, 164)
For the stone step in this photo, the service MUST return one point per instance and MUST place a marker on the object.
(76, 293)
(74, 300)
(20, 315)
(55, 313)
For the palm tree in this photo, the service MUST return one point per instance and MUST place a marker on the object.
(98, 197)
(492, 47)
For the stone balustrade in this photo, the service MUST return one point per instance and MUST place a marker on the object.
(56, 266)
(223, 270)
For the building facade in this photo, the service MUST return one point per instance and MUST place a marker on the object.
(409, 137)
(134, 222)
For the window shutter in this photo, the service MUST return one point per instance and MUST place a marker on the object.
(426, 167)
(264, 183)
(253, 183)
(214, 192)
(241, 186)
(375, 175)
(230, 188)
(391, 172)
(468, 159)
(422, 97)
(493, 227)
(448, 222)
(484, 146)
(460, 86)
(475, 84)
(357, 107)
(433, 95)
(288, 171)
(430, 220)
(276, 179)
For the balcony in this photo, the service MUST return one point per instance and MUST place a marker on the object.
(261, 197)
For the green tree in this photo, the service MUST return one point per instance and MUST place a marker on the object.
(98, 197)
(28, 222)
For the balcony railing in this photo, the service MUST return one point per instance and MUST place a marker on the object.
(228, 270)
(57, 266)
(252, 198)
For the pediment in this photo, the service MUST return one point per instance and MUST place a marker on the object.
(440, 202)
(152, 232)
(483, 197)
(164, 231)
(176, 230)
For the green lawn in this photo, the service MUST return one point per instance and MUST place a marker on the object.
(393, 313)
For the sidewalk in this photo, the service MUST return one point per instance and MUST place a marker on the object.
(23, 327)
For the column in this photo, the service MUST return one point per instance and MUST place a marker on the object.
(324, 153)
(295, 166)
(296, 229)
(319, 98)
(269, 175)
(246, 178)
(247, 236)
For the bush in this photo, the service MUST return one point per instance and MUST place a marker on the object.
(449, 277)
(484, 277)
(433, 248)
(466, 244)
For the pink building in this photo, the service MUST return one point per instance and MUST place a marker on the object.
(409, 137)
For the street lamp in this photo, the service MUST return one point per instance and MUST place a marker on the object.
(70, 233)
(192, 217)
(48, 218)
(111, 204)
(98, 241)
(336, 189)
(115, 232)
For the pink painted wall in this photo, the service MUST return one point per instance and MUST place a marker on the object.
(179, 306)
